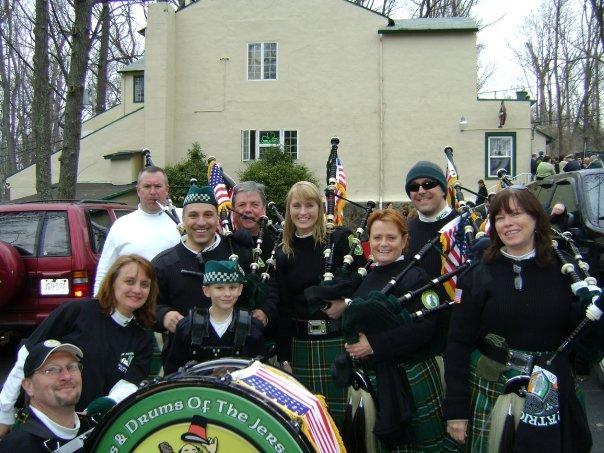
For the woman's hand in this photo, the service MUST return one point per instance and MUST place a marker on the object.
(285, 366)
(171, 319)
(457, 429)
(4, 429)
(335, 309)
(361, 349)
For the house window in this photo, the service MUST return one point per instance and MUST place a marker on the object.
(255, 142)
(500, 150)
(262, 61)
(139, 88)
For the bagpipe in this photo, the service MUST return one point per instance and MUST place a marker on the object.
(380, 311)
(338, 282)
(168, 208)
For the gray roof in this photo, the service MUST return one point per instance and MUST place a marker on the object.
(135, 66)
(90, 191)
(447, 24)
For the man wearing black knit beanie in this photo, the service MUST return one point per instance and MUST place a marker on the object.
(426, 186)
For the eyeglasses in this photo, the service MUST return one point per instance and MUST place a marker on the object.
(518, 278)
(56, 370)
(426, 185)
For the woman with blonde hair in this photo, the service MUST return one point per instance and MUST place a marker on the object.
(110, 330)
(309, 336)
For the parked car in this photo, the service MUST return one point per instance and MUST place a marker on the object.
(582, 193)
(48, 255)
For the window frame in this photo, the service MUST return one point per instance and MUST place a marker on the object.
(487, 160)
(136, 77)
(262, 62)
(248, 156)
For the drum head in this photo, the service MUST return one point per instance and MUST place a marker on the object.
(196, 415)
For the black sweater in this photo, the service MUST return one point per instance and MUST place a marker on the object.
(295, 273)
(111, 352)
(537, 318)
(411, 341)
(182, 291)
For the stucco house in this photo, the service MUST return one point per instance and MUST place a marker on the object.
(240, 75)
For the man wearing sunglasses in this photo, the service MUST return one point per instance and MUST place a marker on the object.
(52, 383)
(426, 186)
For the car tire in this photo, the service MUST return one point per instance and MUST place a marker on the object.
(12, 273)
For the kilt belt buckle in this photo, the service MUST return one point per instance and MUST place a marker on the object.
(317, 327)
(520, 361)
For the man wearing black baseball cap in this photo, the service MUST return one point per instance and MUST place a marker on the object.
(53, 384)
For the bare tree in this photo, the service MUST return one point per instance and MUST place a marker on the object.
(80, 47)
(41, 102)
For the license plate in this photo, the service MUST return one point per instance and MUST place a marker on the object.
(54, 287)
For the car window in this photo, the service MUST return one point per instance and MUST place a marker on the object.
(55, 240)
(594, 196)
(100, 222)
(565, 194)
(545, 195)
(121, 212)
(20, 229)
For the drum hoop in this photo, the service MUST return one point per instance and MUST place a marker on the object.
(266, 403)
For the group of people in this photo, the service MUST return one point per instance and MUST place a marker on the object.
(201, 290)
(543, 165)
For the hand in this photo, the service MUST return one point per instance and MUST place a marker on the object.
(260, 316)
(457, 429)
(361, 349)
(212, 445)
(4, 429)
(335, 309)
(285, 366)
(171, 319)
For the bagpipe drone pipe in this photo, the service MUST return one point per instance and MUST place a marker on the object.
(380, 311)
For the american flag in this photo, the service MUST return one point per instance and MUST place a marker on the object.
(217, 184)
(453, 246)
(293, 397)
(451, 180)
(340, 192)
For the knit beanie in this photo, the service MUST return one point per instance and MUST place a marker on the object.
(222, 272)
(198, 194)
(425, 169)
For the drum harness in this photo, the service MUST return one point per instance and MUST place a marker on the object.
(200, 332)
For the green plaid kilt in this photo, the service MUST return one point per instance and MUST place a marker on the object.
(483, 394)
(311, 364)
(427, 423)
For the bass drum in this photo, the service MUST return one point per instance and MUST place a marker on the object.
(210, 407)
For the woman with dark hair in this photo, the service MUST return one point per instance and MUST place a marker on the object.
(407, 349)
(110, 331)
(515, 310)
(308, 336)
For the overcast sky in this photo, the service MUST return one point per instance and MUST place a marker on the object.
(505, 17)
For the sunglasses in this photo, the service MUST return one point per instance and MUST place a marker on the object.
(426, 185)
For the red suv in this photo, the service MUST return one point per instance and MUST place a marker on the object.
(48, 255)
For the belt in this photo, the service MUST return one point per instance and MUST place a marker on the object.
(511, 358)
(317, 328)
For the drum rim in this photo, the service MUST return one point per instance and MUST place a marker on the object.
(267, 404)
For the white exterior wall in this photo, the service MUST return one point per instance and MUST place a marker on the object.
(391, 99)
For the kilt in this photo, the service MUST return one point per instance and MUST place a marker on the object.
(427, 423)
(311, 364)
(483, 395)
